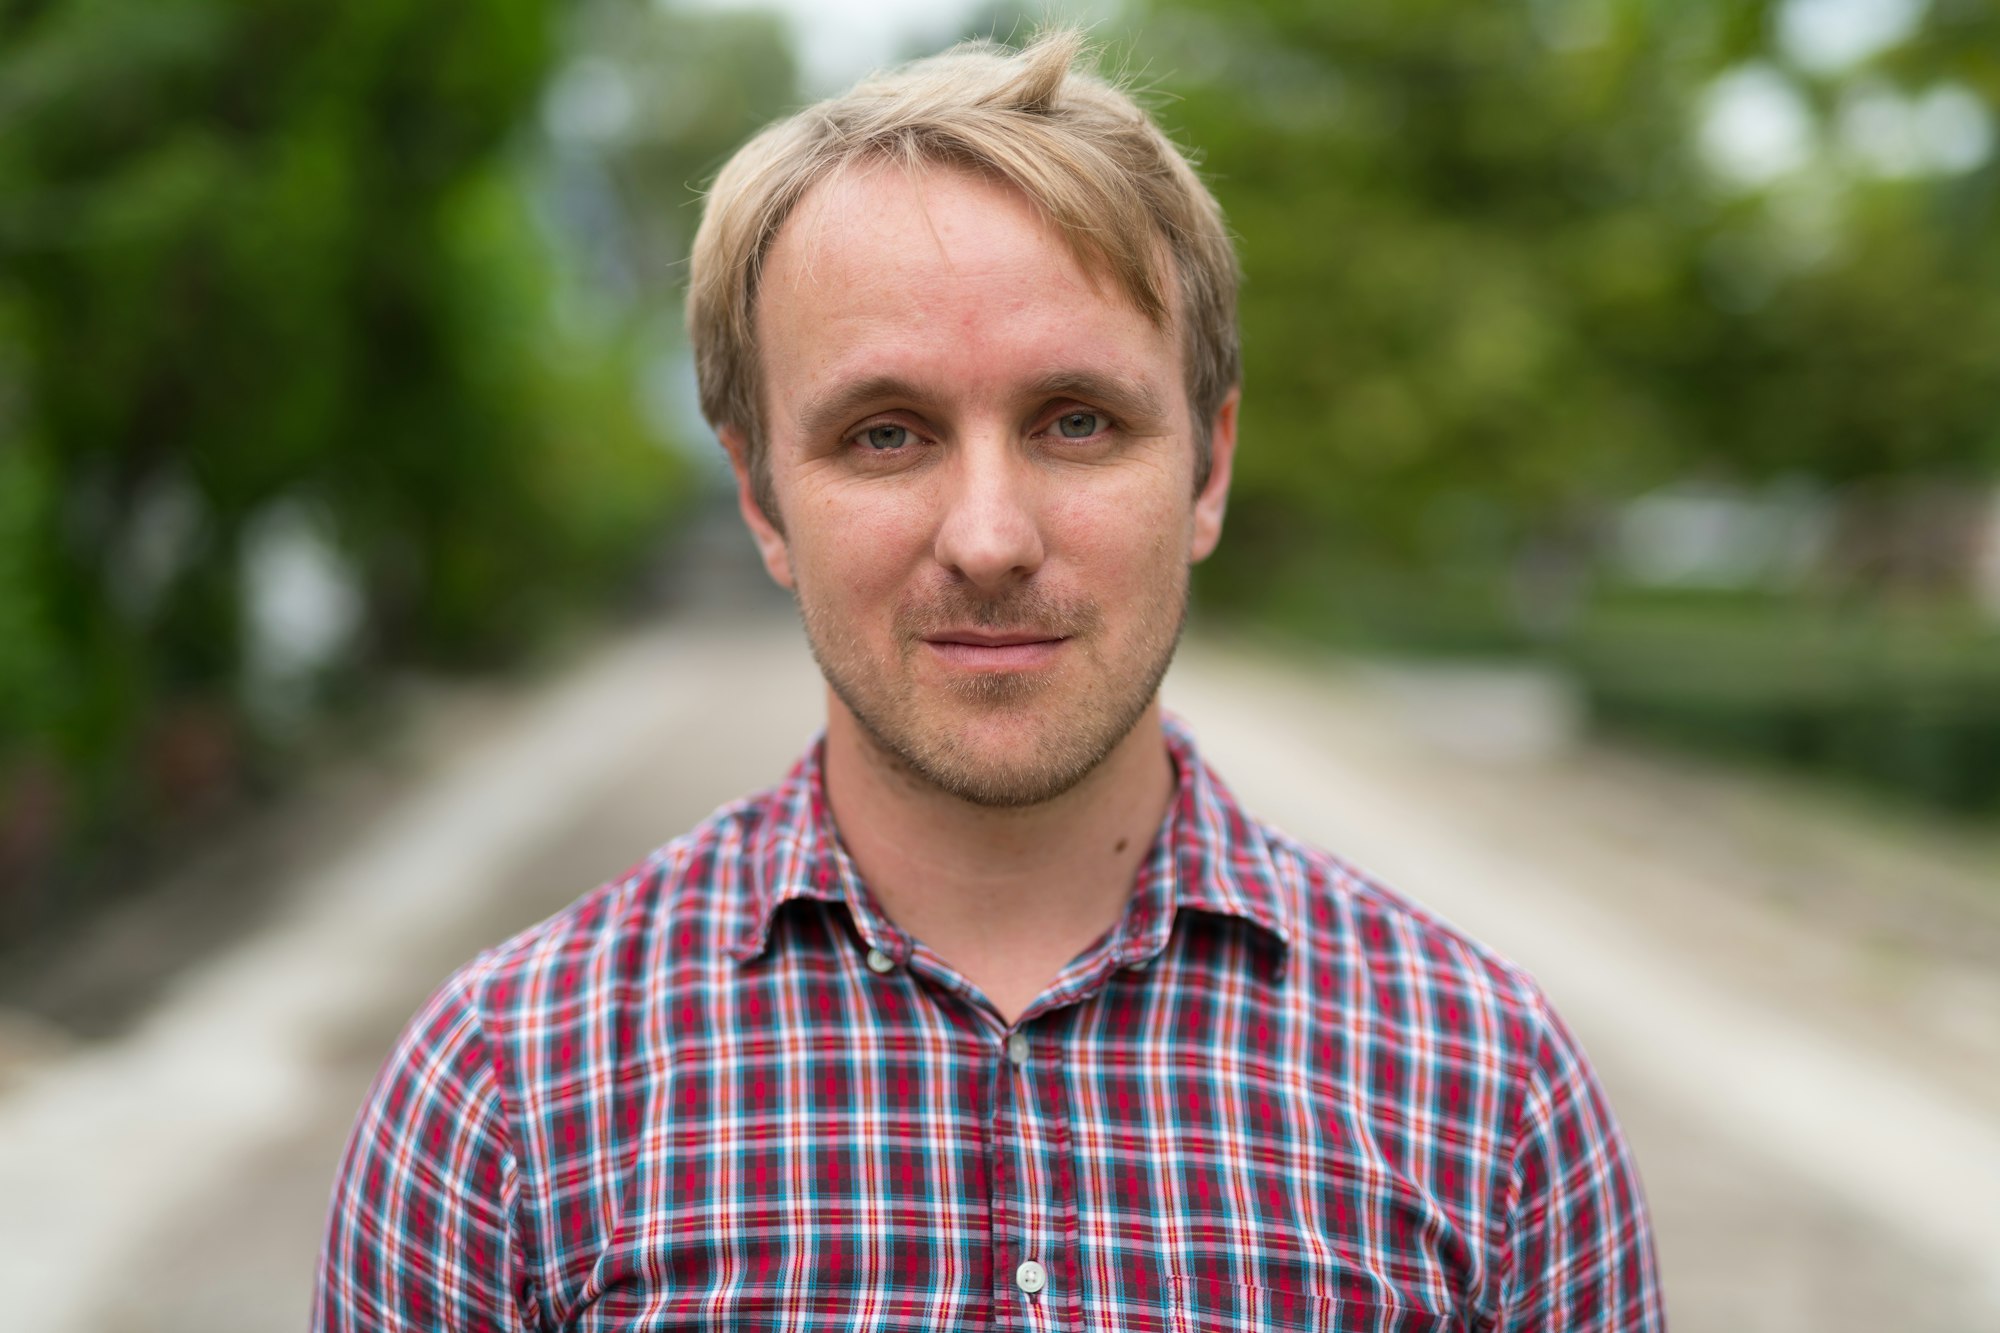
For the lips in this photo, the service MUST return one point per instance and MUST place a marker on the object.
(1028, 629)
(981, 638)
(990, 650)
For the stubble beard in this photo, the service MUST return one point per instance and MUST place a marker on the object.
(917, 735)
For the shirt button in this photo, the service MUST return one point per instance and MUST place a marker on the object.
(1031, 1277)
(1017, 1051)
(880, 963)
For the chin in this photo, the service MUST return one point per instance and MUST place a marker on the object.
(999, 784)
(1002, 758)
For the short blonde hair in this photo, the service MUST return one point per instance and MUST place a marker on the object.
(1078, 146)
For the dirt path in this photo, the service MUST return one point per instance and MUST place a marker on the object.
(174, 1178)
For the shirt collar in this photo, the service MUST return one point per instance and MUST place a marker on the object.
(792, 852)
(1222, 857)
(1217, 858)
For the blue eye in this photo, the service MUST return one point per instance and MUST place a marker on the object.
(1079, 425)
(886, 437)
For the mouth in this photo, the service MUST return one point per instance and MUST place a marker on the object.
(991, 650)
(984, 638)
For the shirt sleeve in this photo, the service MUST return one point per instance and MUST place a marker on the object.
(1580, 1246)
(419, 1233)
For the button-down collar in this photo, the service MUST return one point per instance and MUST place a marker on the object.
(1208, 856)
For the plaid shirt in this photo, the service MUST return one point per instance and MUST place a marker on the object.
(727, 1092)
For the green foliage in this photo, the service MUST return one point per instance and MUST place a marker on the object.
(1907, 700)
(258, 258)
(1495, 287)
(695, 86)
(28, 665)
(1492, 287)
(1455, 261)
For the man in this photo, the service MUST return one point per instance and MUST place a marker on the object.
(998, 1012)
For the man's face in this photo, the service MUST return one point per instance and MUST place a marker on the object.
(983, 465)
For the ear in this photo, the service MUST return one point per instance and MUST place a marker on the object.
(770, 541)
(1213, 497)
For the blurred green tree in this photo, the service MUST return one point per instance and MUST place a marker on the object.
(1509, 265)
(1495, 285)
(273, 306)
(654, 101)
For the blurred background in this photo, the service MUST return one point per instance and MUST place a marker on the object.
(1622, 440)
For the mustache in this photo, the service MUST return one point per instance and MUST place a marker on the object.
(1026, 609)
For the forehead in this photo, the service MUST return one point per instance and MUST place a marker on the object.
(938, 273)
(877, 215)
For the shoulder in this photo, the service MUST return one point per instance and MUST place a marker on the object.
(1409, 967)
(1462, 1039)
(577, 965)
(629, 937)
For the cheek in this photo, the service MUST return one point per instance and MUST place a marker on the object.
(1125, 535)
(855, 548)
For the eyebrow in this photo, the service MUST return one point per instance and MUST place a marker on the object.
(831, 408)
(1132, 399)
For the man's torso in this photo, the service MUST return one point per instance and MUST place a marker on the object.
(732, 1095)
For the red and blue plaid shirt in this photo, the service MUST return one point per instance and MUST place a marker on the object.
(726, 1092)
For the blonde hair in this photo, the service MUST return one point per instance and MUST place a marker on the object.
(1074, 144)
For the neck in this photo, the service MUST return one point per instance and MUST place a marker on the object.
(1006, 895)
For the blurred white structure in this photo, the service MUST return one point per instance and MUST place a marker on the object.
(302, 607)
(1832, 36)
(1707, 536)
(1986, 570)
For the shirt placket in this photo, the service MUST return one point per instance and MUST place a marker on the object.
(1035, 1261)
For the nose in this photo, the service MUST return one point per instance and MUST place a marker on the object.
(990, 533)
